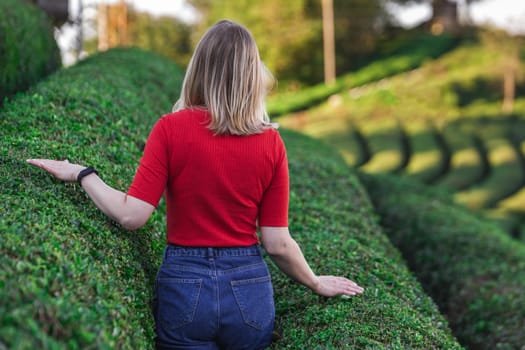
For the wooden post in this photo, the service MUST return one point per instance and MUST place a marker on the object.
(328, 41)
(123, 23)
(112, 25)
(102, 21)
(511, 67)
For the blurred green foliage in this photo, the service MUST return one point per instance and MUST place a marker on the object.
(28, 50)
(471, 268)
(442, 123)
(408, 52)
(168, 36)
(289, 33)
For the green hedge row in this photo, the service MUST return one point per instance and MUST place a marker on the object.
(69, 278)
(28, 50)
(72, 279)
(408, 56)
(332, 219)
(471, 268)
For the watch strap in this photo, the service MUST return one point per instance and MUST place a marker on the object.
(85, 172)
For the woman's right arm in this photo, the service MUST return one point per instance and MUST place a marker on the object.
(128, 211)
(287, 255)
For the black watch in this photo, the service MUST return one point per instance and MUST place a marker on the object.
(85, 172)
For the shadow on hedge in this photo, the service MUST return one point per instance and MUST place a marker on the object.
(474, 271)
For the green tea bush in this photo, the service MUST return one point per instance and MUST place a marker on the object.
(408, 56)
(72, 279)
(28, 50)
(69, 278)
(332, 219)
(474, 271)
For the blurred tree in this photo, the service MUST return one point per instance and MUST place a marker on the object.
(290, 35)
(359, 25)
(57, 10)
(444, 16)
(165, 35)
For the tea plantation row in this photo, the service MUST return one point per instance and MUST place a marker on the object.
(334, 222)
(471, 268)
(28, 50)
(72, 279)
(479, 159)
(402, 125)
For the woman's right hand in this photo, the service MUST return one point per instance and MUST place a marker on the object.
(331, 286)
(60, 169)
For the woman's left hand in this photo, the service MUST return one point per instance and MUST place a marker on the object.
(331, 286)
(60, 169)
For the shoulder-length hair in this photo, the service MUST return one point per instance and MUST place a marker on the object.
(227, 77)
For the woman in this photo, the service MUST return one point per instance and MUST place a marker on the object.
(223, 169)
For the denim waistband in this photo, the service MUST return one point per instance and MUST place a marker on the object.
(176, 250)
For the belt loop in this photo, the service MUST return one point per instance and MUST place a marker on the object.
(210, 252)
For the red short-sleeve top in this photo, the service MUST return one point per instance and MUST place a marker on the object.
(217, 186)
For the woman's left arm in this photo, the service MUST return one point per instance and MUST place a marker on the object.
(128, 211)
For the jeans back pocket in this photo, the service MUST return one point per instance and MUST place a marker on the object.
(254, 297)
(177, 301)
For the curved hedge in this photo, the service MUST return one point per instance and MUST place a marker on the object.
(332, 219)
(28, 50)
(473, 270)
(69, 278)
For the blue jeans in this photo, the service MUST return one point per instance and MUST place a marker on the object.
(213, 298)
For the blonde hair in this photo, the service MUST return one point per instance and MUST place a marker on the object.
(226, 76)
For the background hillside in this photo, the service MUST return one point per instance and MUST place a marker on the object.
(441, 149)
(445, 123)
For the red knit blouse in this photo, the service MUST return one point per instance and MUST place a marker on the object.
(216, 186)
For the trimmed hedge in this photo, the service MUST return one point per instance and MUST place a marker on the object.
(332, 219)
(28, 50)
(72, 279)
(69, 278)
(471, 267)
